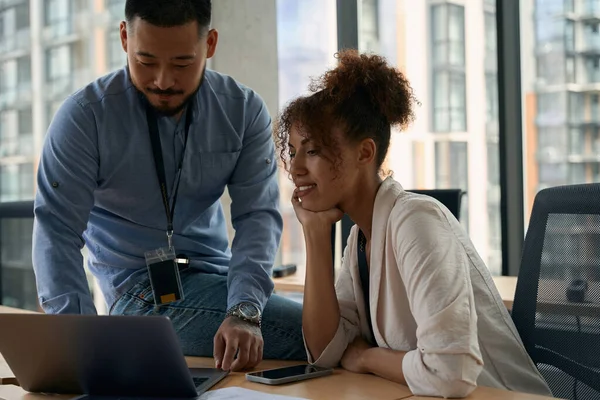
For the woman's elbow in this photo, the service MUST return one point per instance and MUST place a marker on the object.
(456, 389)
(452, 376)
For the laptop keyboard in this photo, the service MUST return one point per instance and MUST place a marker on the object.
(199, 380)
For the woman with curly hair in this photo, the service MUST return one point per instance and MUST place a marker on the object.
(414, 302)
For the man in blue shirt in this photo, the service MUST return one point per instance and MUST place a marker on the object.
(98, 185)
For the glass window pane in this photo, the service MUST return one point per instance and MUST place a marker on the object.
(31, 93)
(305, 49)
(560, 136)
(437, 150)
(18, 279)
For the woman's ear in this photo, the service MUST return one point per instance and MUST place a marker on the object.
(367, 151)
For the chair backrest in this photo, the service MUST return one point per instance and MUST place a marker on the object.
(557, 301)
(451, 198)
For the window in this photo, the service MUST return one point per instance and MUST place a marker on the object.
(22, 16)
(590, 7)
(577, 138)
(14, 27)
(591, 35)
(491, 46)
(8, 76)
(552, 108)
(448, 54)
(59, 70)
(491, 91)
(25, 121)
(58, 19)
(26, 181)
(569, 36)
(449, 102)
(452, 171)
(24, 71)
(576, 108)
(56, 11)
(116, 8)
(437, 150)
(116, 57)
(305, 49)
(552, 143)
(592, 69)
(9, 183)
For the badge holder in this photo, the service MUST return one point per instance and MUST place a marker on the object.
(164, 275)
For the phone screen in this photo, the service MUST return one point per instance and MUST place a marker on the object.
(285, 372)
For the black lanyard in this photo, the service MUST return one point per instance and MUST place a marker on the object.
(363, 271)
(160, 166)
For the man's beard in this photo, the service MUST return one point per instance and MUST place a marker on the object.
(171, 111)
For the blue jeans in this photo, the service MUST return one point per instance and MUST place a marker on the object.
(198, 316)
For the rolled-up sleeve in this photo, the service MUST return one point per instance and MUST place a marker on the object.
(349, 325)
(435, 269)
(255, 212)
(67, 178)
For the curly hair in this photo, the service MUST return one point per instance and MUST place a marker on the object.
(363, 96)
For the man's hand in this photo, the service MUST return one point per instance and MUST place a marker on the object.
(236, 336)
(353, 358)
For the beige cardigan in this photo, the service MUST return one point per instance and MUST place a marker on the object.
(432, 296)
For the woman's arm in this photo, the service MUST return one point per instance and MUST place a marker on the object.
(321, 312)
(435, 267)
(378, 361)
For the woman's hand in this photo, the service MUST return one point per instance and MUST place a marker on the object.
(315, 220)
(353, 358)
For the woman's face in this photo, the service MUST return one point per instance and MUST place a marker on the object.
(320, 185)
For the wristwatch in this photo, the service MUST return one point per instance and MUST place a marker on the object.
(247, 312)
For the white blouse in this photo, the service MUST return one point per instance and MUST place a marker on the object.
(431, 296)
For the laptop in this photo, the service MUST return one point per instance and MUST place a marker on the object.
(109, 356)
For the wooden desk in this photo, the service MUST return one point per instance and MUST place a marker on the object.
(506, 285)
(341, 385)
(485, 393)
(10, 310)
(11, 392)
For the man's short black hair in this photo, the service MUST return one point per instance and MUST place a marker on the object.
(168, 13)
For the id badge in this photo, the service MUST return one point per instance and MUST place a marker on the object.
(164, 275)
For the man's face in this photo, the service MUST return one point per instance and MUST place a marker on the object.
(167, 64)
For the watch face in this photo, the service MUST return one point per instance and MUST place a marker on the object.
(249, 310)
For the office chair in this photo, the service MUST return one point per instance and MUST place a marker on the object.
(451, 198)
(557, 301)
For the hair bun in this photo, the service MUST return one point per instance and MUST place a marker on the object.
(386, 88)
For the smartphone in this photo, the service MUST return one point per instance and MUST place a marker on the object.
(294, 373)
(284, 270)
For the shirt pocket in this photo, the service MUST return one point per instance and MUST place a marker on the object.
(210, 172)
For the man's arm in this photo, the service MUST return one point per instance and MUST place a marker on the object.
(67, 177)
(255, 213)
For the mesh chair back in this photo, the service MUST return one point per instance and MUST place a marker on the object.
(557, 302)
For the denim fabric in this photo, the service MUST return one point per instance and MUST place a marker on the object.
(198, 316)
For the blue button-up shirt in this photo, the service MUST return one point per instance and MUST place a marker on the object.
(97, 186)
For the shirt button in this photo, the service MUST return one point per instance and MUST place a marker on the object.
(268, 160)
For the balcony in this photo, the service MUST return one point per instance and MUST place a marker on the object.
(21, 40)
